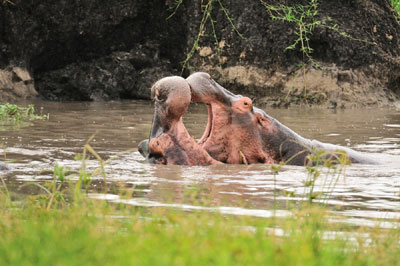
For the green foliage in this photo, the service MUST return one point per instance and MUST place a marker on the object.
(97, 232)
(335, 164)
(305, 17)
(11, 113)
(317, 162)
(4, 193)
(64, 227)
(396, 5)
(175, 8)
(66, 186)
(206, 9)
(165, 238)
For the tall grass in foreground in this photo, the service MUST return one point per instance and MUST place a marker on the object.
(63, 226)
(97, 233)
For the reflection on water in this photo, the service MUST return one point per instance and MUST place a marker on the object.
(364, 193)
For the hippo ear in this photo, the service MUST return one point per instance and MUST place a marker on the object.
(154, 91)
(265, 123)
(262, 121)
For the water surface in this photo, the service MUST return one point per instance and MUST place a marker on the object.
(366, 194)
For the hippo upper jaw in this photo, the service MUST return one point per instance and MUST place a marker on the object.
(204, 89)
(169, 141)
(233, 133)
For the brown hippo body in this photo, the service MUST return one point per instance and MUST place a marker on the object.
(236, 131)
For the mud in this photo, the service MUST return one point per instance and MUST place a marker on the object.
(15, 84)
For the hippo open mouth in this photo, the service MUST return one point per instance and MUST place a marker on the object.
(232, 134)
(169, 141)
(236, 131)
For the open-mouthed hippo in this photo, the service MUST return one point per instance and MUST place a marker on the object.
(237, 132)
(169, 141)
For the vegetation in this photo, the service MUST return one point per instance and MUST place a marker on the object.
(63, 226)
(207, 9)
(9, 2)
(396, 5)
(93, 233)
(11, 113)
(304, 16)
(319, 161)
(84, 231)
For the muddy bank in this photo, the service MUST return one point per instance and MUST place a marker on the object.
(16, 83)
(115, 50)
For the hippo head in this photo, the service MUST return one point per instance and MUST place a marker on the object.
(236, 131)
(169, 141)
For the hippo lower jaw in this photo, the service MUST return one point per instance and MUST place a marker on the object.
(225, 140)
(169, 141)
(177, 147)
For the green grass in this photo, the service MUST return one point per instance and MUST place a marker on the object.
(14, 113)
(63, 226)
(396, 5)
(97, 233)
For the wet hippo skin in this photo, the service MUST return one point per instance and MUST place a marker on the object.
(236, 131)
(169, 141)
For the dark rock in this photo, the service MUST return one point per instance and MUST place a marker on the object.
(91, 50)
(361, 57)
(118, 75)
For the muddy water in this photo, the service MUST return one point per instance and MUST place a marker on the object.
(365, 194)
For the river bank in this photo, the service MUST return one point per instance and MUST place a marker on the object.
(343, 54)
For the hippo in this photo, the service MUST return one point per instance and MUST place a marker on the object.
(236, 133)
(170, 142)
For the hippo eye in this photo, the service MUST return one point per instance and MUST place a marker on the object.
(160, 97)
(245, 103)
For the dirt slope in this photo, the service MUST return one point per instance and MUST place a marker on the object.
(91, 50)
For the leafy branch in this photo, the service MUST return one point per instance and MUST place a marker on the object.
(9, 2)
(305, 18)
(207, 9)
